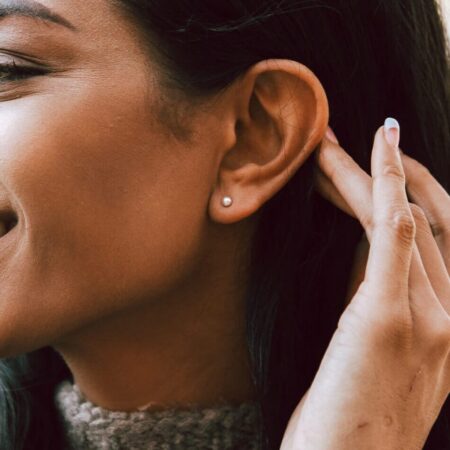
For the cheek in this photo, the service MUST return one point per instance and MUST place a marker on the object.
(113, 215)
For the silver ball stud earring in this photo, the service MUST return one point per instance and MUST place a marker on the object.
(227, 201)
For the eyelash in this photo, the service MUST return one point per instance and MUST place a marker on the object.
(17, 73)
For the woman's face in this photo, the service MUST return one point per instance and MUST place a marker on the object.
(111, 208)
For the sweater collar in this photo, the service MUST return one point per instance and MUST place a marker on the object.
(91, 427)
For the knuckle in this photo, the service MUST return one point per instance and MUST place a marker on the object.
(397, 333)
(441, 229)
(402, 223)
(339, 166)
(418, 213)
(404, 226)
(333, 173)
(439, 334)
(394, 171)
(391, 326)
(398, 325)
(420, 218)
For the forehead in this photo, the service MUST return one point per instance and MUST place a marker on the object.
(97, 29)
(74, 15)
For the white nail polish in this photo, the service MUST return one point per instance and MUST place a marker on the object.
(393, 138)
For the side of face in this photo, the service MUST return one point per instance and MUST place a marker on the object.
(111, 208)
(114, 212)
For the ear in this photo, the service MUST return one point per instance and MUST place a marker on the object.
(278, 114)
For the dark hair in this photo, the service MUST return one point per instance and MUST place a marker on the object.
(375, 58)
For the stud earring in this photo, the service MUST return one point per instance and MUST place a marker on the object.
(227, 201)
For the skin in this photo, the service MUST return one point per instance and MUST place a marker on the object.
(124, 259)
(386, 373)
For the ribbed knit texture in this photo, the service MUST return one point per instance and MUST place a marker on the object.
(91, 427)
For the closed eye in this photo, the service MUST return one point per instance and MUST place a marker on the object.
(10, 72)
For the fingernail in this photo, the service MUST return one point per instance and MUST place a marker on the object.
(392, 131)
(331, 136)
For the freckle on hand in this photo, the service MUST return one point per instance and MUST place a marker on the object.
(387, 421)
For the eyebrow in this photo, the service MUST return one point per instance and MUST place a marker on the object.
(34, 9)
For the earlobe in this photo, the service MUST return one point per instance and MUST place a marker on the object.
(281, 114)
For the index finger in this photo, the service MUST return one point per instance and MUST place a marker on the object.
(393, 223)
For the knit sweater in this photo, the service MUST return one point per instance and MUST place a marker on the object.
(90, 427)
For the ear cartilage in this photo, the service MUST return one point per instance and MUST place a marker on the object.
(227, 201)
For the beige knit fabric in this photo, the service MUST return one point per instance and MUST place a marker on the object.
(91, 427)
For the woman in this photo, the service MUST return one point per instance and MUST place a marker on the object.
(171, 247)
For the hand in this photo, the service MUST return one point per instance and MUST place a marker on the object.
(386, 373)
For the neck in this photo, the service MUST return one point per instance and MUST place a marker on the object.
(176, 351)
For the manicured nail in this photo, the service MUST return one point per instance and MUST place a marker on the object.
(392, 131)
(331, 136)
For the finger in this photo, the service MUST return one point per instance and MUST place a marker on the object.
(425, 191)
(431, 257)
(393, 235)
(326, 188)
(426, 244)
(423, 299)
(348, 189)
(353, 184)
